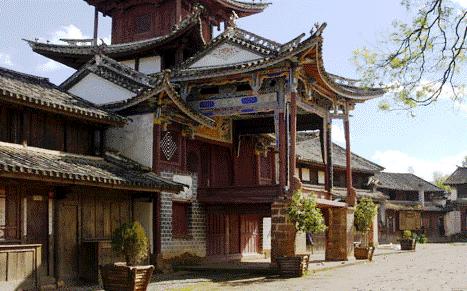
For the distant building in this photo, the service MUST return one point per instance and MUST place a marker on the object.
(414, 204)
(458, 183)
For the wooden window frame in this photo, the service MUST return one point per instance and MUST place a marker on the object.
(183, 232)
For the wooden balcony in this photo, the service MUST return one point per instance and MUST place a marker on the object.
(239, 194)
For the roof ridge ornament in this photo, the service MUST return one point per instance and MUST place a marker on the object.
(232, 23)
(318, 29)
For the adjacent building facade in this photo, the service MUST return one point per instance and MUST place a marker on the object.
(61, 193)
(458, 183)
(413, 204)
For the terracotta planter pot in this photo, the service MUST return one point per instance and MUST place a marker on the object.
(408, 244)
(294, 266)
(362, 253)
(119, 277)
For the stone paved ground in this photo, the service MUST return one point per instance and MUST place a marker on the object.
(431, 267)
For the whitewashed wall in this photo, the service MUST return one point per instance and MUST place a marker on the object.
(452, 223)
(99, 90)
(150, 65)
(134, 140)
(143, 213)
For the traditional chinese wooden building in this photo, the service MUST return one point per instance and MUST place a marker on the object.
(458, 183)
(202, 112)
(61, 193)
(414, 204)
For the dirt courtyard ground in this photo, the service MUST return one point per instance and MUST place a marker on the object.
(431, 267)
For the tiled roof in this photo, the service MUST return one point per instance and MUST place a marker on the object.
(361, 193)
(458, 177)
(112, 170)
(150, 86)
(39, 93)
(272, 53)
(112, 71)
(404, 182)
(309, 150)
(77, 54)
(246, 5)
(413, 206)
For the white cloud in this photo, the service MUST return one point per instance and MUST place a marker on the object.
(338, 134)
(68, 32)
(397, 161)
(65, 32)
(5, 60)
(462, 3)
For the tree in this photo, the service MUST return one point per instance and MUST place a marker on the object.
(305, 214)
(464, 162)
(363, 217)
(421, 60)
(439, 179)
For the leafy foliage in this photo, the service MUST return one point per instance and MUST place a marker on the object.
(422, 239)
(464, 162)
(303, 211)
(407, 234)
(421, 60)
(364, 214)
(130, 241)
(439, 179)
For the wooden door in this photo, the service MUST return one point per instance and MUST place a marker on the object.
(249, 234)
(234, 234)
(67, 241)
(215, 234)
(38, 227)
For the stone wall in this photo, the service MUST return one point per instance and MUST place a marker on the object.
(196, 244)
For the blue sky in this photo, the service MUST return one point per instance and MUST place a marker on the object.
(434, 140)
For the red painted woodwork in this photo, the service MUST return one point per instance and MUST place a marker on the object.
(267, 169)
(249, 234)
(180, 221)
(234, 234)
(239, 194)
(220, 166)
(245, 164)
(215, 234)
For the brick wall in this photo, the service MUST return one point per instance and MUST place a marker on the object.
(196, 243)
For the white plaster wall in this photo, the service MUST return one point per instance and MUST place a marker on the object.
(129, 63)
(142, 213)
(453, 195)
(300, 243)
(452, 223)
(266, 233)
(134, 140)
(98, 90)
(375, 230)
(226, 54)
(150, 65)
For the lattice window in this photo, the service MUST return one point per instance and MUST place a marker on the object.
(168, 146)
(142, 23)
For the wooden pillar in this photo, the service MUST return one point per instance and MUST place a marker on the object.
(351, 195)
(293, 138)
(178, 11)
(156, 149)
(282, 150)
(96, 25)
(329, 160)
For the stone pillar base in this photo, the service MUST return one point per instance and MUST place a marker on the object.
(282, 232)
(339, 241)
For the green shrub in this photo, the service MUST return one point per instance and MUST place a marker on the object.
(407, 234)
(130, 241)
(422, 239)
(306, 215)
(363, 217)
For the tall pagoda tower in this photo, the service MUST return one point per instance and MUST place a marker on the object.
(136, 20)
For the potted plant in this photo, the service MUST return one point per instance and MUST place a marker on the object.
(363, 219)
(307, 218)
(129, 241)
(408, 242)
